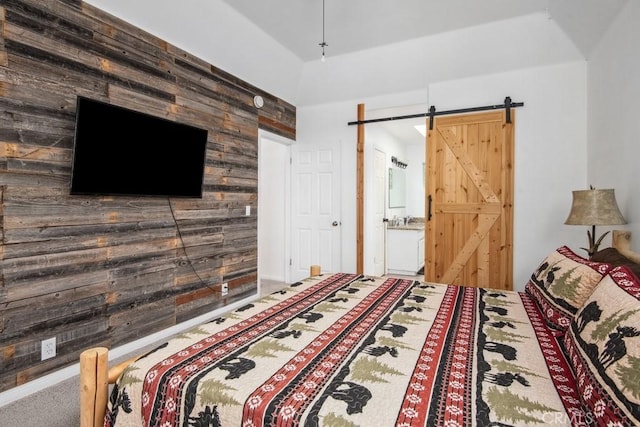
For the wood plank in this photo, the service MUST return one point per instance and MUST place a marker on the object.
(89, 298)
(4, 60)
(360, 192)
(21, 294)
(71, 339)
(467, 208)
(477, 177)
(141, 320)
(460, 259)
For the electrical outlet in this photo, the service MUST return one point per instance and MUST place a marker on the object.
(224, 288)
(48, 348)
(247, 210)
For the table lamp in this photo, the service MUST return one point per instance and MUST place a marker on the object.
(594, 207)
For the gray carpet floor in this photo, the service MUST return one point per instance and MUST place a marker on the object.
(55, 406)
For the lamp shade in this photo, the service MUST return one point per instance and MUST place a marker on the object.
(594, 207)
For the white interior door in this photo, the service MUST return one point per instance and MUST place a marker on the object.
(315, 204)
(380, 191)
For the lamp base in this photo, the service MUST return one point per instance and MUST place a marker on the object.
(593, 244)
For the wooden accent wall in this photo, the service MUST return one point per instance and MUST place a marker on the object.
(108, 270)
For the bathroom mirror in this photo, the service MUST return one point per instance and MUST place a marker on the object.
(397, 191)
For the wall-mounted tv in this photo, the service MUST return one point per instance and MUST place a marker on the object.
(118, 151)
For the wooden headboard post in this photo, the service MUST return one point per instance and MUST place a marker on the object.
(621, 240)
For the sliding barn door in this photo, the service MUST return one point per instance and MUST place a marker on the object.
(470, 201)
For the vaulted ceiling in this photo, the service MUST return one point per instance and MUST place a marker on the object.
(353, 25)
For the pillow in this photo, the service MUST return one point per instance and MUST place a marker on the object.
(561, 284)
(615, 258)
(603, 345)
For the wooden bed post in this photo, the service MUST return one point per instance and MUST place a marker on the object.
(314, 270)
(621, 240)
(94, 386)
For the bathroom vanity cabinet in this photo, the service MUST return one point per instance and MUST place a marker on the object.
(405, 249)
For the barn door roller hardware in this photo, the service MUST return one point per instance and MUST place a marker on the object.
(508, 105)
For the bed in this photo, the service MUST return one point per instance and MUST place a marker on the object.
(350, 350)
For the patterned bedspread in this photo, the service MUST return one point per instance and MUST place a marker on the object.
(349, 350)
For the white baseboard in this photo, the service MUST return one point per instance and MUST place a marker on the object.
(63, 374)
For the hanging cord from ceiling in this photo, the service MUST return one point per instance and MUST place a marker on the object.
(323, 44)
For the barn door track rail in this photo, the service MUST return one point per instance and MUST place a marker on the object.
(508, 105)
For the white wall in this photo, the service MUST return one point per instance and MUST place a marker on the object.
(550, 150)
(614, 94)
(415, 154)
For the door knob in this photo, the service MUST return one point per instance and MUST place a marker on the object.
(335, 223)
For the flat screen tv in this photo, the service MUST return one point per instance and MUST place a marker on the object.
(118, 151)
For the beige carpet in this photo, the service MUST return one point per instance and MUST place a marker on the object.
(56, 406)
